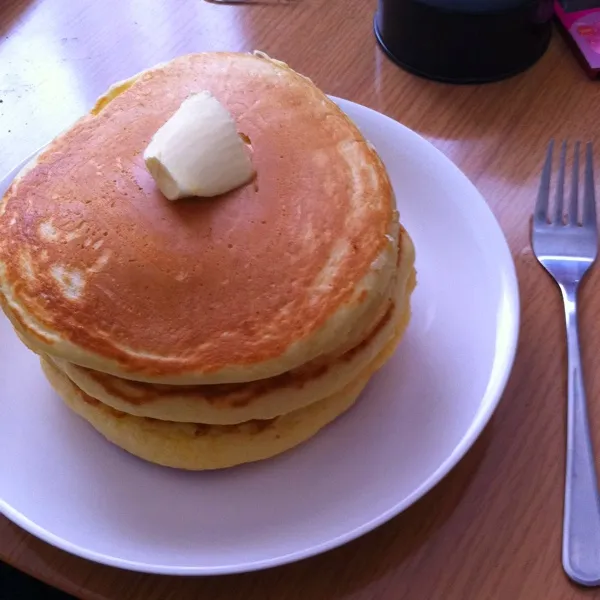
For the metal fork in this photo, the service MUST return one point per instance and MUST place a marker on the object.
(567, 247)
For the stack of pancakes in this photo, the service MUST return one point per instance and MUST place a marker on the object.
(205, 333)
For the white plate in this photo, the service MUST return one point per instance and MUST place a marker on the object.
(64, 483)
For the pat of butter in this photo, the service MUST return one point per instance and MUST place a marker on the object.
(198, 151)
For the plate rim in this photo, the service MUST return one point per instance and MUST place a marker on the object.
(510, 308)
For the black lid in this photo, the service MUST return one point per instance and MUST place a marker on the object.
(464, 41)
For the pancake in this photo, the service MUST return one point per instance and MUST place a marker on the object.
(201, 447)
(264, 399)
(98, 269)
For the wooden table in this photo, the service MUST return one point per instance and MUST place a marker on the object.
(492, 528)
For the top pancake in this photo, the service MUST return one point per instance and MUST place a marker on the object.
(98, 268)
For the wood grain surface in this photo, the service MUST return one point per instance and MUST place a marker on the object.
(492, 528)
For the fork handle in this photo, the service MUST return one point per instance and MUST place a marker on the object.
(581, 525)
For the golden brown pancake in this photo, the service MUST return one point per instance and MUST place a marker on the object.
(263, 399)
(199, 447)
(99, 269)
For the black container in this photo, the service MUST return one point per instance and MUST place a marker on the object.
(464, 41)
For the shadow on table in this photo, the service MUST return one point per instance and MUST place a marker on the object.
(15, 585)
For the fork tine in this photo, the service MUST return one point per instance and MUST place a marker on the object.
(541, 206)
(560, 186)
(573, 217)
(589, 197)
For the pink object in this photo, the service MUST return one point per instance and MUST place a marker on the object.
(582, 31)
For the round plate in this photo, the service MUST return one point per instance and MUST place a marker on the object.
(65, 484)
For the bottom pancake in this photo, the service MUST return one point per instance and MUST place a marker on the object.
(202, 447)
